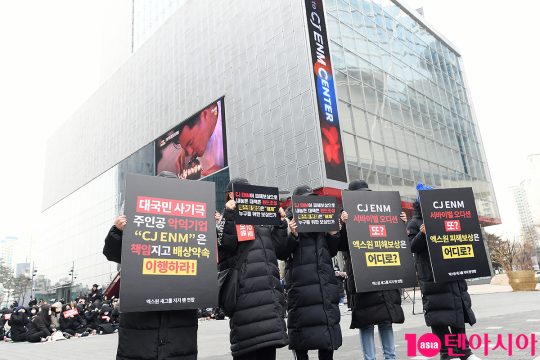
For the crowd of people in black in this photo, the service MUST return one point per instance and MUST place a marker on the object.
(43, 321)
(299, 310)
(304, 317)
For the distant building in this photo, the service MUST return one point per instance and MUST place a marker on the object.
(6, 250)
(527, 200)
(42, 285)
(375, 94)
(22, 269)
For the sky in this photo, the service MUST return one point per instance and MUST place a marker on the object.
(51, 60)
(50, 63)
(498, 42)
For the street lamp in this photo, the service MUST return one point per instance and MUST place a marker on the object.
(34, 272)
(73, 277)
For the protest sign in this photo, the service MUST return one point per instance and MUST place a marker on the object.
(380, 253)
(315, 213)
(453, 234)
(168, 245)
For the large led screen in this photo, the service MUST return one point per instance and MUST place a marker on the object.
(196, 147)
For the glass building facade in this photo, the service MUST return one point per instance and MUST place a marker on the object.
(405, 112)
(403, 104)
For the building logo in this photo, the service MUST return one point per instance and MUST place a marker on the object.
(326, 94)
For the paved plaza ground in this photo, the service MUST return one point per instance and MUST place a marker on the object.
(498, 312)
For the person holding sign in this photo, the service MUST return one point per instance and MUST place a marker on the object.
(154, 334)
(257, 324)
(71, 322)
(381, 308)
(447, 305)
(313, 290)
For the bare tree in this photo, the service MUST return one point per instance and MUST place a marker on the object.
(7, 281)
(509, 254)
(21, 286)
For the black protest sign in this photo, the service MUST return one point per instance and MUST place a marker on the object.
(453, 234)
(380, 254)
(256, 205)
(315, 213)
(168, 245)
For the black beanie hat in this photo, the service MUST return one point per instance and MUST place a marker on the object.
(303, 190)
(234, 181)
(359, 185)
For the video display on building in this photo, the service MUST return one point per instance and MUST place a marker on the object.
(196, 147)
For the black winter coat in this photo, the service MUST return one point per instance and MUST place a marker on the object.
(156, 335)
(66, 323)
(91, 318)
(96, 295)
(369, 308)
(258, 321)
(3, 320)
(18, 323)
(80, 309)
(40, 323)
(75, 323)
(447, 303)
(313, 292)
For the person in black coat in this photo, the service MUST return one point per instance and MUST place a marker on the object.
(447, 305)
(96, 294)
(115, 313)
(40, 329)
(340, 277)
(257, 325)
(105, 325)
(4, 319)
(381, 308)
(74, 325)
(32, 313)
(154, 334)
(91, 314)
(18, 323)
(313, 291)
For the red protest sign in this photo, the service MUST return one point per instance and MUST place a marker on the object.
(70, 313)
(245, 232)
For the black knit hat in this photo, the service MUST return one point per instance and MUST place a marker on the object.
(359, 185)
(234, 181)
(303, 190)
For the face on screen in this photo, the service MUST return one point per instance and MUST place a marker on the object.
(194, 148)
(195, 139)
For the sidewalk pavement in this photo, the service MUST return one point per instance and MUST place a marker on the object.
(498, 310)
(492, 289)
